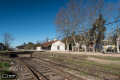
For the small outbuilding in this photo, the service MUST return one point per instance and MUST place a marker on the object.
(55, 45)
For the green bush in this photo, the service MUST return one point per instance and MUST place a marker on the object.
(3, 64)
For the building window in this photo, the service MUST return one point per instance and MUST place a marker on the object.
(58, 47)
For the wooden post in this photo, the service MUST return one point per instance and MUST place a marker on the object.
(31, 54)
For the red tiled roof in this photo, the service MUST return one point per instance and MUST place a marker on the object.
(47, 43)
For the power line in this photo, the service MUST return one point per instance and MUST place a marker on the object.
(86, 29)
(112, 22)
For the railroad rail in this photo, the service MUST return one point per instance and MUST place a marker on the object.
(82, 69)
(41, 71)
(74, 58)
(32, 71)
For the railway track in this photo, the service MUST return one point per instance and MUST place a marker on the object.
(81, 62)
(90, 71)
(41, 71)
(33, 72)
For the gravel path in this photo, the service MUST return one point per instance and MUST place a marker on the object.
(20, 71)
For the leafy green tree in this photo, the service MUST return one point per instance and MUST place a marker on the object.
(1, 44)
(97, 31)
(21, 46)
(38, 44)
(30, 45)
(24, 44)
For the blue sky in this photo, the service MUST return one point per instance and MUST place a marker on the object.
(29, 20)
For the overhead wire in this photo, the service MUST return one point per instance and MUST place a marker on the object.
(80, 31)
(84, 30)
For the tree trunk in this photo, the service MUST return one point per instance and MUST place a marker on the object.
(93, 48)
(85, 48)
(97, 47)
(72, 46)
(104, 50)
(118, 45)
(78, 49)
(67, 43)
(67, 47)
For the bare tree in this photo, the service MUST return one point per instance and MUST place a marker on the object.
(116, 17)
(7, 39)
(114, 32)
(72, 7)
(62, 24)
(46, 39)
(84, 25)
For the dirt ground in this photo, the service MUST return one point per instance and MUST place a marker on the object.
(102, 61)
(87, 53)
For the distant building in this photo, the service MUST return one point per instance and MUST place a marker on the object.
(108, 43)
(55, 45)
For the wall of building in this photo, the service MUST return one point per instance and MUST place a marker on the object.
(55, 45)
(38, 48)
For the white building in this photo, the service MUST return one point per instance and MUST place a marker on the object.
(55, 45)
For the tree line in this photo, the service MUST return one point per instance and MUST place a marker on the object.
(31, 45)
(8, 39)
(84, 22)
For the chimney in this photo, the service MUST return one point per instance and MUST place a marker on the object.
(54, 39)
(48, 40)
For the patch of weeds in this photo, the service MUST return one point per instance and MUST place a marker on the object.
(112, 66)
(3, 64)
(4, 51)
(4, 56)
(83, 73)
(68, 69)
(88, 62)
(4, 69)
(59, 58)
(112, 58)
